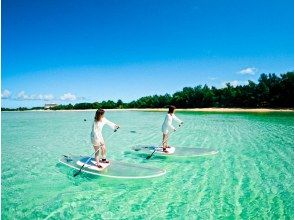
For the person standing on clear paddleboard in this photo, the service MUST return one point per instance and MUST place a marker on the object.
(96, 135)
(167, 125)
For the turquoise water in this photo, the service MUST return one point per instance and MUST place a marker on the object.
(250, 177)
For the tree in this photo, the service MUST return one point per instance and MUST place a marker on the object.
(119, 103)
(271, 91)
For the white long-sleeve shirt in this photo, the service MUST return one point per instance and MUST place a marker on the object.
(167, 124)
(96, 133)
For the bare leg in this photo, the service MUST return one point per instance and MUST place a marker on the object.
(164, 141)
(96, 148)
(103, 152)
(103, 148)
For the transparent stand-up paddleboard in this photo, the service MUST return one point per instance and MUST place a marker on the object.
(175, 151)
(116, 169)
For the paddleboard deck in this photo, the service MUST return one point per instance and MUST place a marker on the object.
(115, 169)
(159, 150)
(175, 151)
(92, 164)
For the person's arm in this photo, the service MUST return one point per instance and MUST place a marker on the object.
(111, 124)
(177, 119)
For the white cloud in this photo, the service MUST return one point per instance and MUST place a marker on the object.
(48, 97)
(212, 78)
(248, 71)
(234, 83)
(68, 97)
(5, 94)
(23, 96)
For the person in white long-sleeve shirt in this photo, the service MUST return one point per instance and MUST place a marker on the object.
(167, 126)
(96, 135)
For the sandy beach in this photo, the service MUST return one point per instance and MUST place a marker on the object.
(261, 110)
(228, 110)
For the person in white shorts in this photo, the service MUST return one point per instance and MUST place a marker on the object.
(167, 125)
(96, 135)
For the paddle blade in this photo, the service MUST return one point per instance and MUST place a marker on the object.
(149, 156)
(77, 173)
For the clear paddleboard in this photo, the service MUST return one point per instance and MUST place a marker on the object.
(115, 169)
(175, 151)
(92, 164)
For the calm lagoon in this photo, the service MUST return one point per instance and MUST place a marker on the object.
(252, 176)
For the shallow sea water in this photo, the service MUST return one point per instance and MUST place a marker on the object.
(252, 176)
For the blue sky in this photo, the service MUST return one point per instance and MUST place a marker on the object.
(84, 51)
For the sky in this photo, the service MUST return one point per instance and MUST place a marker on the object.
(70, 51)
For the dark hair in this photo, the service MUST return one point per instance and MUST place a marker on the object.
(171, 109)
(98, 114)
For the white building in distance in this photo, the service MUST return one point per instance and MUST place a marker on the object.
(48, 106)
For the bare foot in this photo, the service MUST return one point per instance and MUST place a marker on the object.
(165, 150)
(104, 161)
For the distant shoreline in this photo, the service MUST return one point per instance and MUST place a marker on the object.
(232, 110)
(222, 110)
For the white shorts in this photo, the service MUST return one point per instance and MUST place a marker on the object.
(97, 141)
(164, 130)
(98, 144)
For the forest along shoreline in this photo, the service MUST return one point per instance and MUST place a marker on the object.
(256, 110)
(270, 93)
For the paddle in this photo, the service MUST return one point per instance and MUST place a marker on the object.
(90, 157)
(149, 156)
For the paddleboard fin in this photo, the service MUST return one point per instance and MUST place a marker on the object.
(68, 159)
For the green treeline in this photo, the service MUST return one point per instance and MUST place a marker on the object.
(22, 109)
(271, 91)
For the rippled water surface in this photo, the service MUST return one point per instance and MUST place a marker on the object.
(252, 176)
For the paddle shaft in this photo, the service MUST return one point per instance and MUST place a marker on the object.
(148, 157)
(90, 157)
